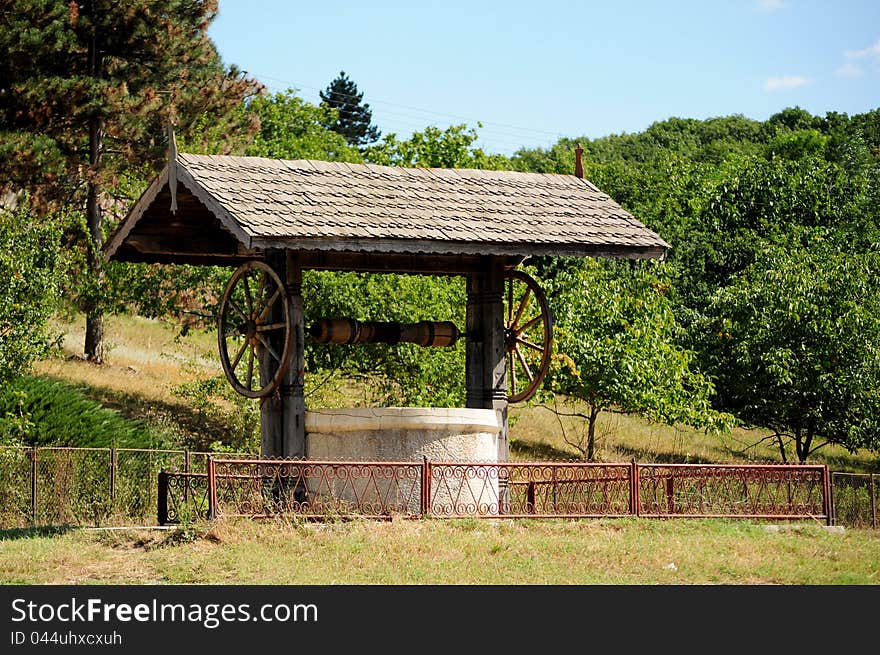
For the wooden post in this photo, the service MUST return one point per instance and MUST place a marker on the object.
(271, 418)
(293, 405)
(485, 363)
(282, 415)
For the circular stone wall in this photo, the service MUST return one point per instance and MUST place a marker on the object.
(403, 434)
(410, 434)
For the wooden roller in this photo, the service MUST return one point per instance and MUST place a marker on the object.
(434, 334)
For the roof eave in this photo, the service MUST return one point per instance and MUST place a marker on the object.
(619, 251)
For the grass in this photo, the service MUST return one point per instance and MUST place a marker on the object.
(602, 552)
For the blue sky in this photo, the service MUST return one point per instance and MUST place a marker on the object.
(531, 72)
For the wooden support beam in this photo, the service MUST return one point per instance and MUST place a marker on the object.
(485, 361)
(271, 407)
(292, 390)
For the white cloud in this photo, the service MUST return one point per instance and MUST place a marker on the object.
(769, 6)
(871, 52)
(849, 69)
(785, 82)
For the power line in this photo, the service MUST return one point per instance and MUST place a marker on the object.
(556, 135)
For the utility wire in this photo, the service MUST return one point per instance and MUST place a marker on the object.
(353, 97)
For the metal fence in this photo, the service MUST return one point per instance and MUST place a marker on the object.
(855, 497)
(262, 488)
(116, 486)
(86, 486)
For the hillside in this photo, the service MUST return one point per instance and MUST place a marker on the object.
(170, 391)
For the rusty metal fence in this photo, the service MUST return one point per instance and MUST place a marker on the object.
(855, 498)
(107, 486)
(86, 486)
(263, 488)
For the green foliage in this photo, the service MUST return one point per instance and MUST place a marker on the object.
(352, 117)
(403, 374)
(291, 128)
(215, 401)
(796, 347)
(29, 257)
(617, 347)
(37, 411)
(435, 148)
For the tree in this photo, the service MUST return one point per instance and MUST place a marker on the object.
(354, 118)
(28, 294)
(87, 90)
(435, 148)
(797, 347)
(616, 348)
(291, 128)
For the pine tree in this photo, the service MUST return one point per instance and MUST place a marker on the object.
(86, 90)
(354, 118)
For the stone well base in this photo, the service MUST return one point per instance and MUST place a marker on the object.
(407, 434)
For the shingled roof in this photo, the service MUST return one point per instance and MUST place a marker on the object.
(249, 204)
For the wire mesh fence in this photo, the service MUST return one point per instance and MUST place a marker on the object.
(856, 497)
(86, 486)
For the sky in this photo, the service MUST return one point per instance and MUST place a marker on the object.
(531, 72)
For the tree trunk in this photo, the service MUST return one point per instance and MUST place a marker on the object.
(804, 443)
(94, 341)
(591, 432)
(781, 448)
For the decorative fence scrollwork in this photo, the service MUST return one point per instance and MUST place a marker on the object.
(263, 488)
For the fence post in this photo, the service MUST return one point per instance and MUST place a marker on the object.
(34, 485)
(670, 494)
(873, 502)
(186, 471)
(634, 491)
(425, 508)
(112, 476)
(162, 500)
(212, 490)
(826, 496)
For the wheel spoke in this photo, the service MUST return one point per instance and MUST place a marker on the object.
(268, 327)
(529, 344)
(239, 354)
(237, 309)
(247, 295)
(269, 348)
(531, 323)
(269, 303)
(512, 369)
(521, 308)
(261, 287)
(522, 361)
(250, 373)
(233, 331)
(510, 302)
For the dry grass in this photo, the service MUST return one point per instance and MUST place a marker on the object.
(147, 359)
(143, 357)
(620, 551)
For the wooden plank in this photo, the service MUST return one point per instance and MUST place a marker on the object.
(402, 263)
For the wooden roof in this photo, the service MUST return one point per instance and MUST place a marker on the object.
(232, 208)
